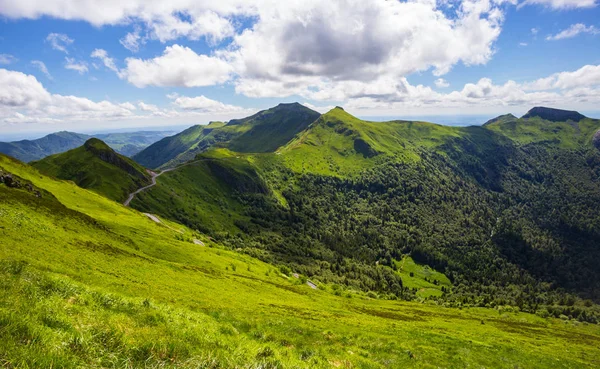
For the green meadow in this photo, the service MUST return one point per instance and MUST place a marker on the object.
(87, 282)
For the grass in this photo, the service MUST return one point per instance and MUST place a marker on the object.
(563, 135)
(87, 282)
(425, 280)
(97, 167)
(264, 131)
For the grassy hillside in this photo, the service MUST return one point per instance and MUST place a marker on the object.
(339, 144)
(541, 125)
(346, 198)
(264, 131)
(97, 167)
(89, 283)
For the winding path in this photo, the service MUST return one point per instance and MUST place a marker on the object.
(154, 176)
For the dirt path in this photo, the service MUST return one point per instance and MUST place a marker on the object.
(154, 177)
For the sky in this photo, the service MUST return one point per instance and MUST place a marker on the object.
(88, 65)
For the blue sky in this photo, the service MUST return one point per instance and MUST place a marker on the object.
(133, 63)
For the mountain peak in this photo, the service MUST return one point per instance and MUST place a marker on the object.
(501, 118)
(554, 115)
(96, 144)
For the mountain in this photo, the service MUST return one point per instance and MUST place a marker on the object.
(87, 282)
(264, 131)
(29, 150)
(554, 127)
(495, 208)
(128, 143)
(97, 167)
(553, 115)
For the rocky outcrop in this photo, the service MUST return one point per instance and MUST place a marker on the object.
(11, 181)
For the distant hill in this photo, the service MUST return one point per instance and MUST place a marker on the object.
(127, 143)
(555, 127)
(553, 115)
(264, 131)
(97, 167)
(29, 150)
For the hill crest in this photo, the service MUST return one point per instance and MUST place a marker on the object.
(553, 115)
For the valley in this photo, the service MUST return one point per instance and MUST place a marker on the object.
(352, 244)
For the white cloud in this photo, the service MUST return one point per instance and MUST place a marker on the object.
(441, 83)
(148, 107)
(300, 44)
(79, 66)
(103, 56)
(586, 76)
(42, 67)
(562, 4)
(178, 66)
(523, 44)
(573, 31)
(59, 41)
(132, 40)
(200, 24)
(24, 99)
(20, 90)
(203, 104)
(534, 31)
(6, 59)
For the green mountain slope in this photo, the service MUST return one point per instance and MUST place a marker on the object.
(89, 283)
(127, 143)
(97, 167)
(264, 131)
(542, 125)
(492, 209)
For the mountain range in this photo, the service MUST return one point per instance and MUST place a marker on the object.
(264, 131)
(128, 143)
(297, 239)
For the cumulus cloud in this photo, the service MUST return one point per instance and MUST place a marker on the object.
(59, 41)
(78, 66)
(20, 90)
(23, 99)
(561, 4)
(178, 66)
(6, 59)
(106, 60)
(441, 83)
(573, 31)
(586, 76)
(203, 104)
(566, 89)
(306, 43)
(42, 67)
(148, 107)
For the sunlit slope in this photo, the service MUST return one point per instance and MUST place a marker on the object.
(264, 131)
(541, 125)
(339, 143)
(97, 167)
(201, 194)
(87, 282)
